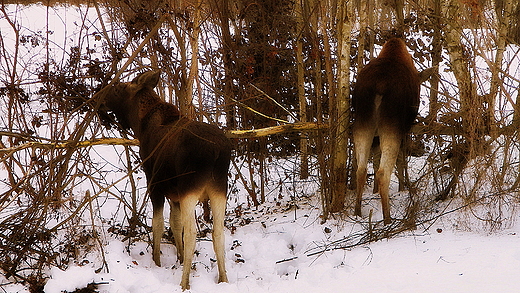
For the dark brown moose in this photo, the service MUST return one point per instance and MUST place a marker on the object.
(385, 103)
(184, 161)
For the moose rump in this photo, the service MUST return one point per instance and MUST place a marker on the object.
(385, 103)
(185, 161)
(189, 164)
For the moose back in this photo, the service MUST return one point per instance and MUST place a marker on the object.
(185, 161)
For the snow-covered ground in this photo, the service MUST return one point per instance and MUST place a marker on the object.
(279, 247)
(271, 254)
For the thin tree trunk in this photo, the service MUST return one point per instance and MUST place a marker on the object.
(471, 107)
(434, 105)
(496, 83)
(363, 23)
(399, 12)
(189, 110)
(496, 73)
(184, 92)
(459, 63)
(324, 148)
(339, 153)
(300, 71)
(315, 9)
(133, 220)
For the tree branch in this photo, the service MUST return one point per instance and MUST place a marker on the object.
(286, 128)
(129, 142)
(69, 144)
(432, 128)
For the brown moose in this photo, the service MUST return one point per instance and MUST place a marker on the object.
(184, 161)
(385, 103)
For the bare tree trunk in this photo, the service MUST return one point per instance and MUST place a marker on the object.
(471, 106)
(193, 74)
(458, 61)
(223, 16)
(300, 73)
(496, 73)
(324, 147)
(315, 9)
(436, 60)
(315, 27)
(184, 91)
(363, 23)
(133, 219)
(399, 9)
(339, 153)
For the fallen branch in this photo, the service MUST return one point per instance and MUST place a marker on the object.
(69, 144)
(432, 129)
(286, 128)
(134, 142)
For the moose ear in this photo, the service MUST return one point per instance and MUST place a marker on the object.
(147, 79)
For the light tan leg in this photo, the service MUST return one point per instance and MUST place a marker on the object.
(187, 205)
(390, 143)
(376, 159)
(157, 231)
(176, 227)
(218, 207)
(362, 143)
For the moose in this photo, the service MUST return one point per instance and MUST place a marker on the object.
(185, 161)
(385, 102)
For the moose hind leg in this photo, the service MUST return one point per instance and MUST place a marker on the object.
(218, 207)
(376, 159)
(176, 227)
(157, 229)
(187, 207)
(390, 143)
(363, 137)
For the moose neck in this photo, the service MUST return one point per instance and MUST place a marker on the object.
(152, 113)
(395, 49)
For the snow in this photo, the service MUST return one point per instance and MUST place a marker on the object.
(271, 254)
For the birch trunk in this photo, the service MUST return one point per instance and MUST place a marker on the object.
(339, 153)
(471, 106)
(469, 101)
